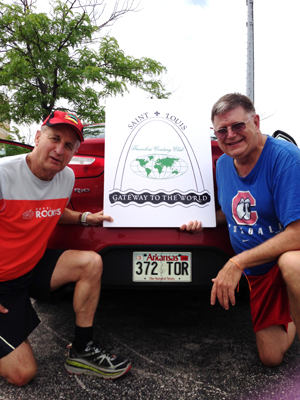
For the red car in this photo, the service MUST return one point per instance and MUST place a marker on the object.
(137, 256)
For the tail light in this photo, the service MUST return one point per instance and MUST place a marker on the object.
(87, 167)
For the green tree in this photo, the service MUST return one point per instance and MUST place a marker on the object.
(48, 59)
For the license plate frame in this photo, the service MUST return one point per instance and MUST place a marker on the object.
(158, 267)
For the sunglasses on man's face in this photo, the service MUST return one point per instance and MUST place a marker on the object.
(239, 127)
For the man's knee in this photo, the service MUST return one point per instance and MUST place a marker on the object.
(92, 265)
(273, 342)
(20, 377)
(19, 367)
(289, 264)
(270, 358)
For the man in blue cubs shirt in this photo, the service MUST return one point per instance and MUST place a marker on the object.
(258, 181)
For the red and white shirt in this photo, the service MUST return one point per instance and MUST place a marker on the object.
(29, 211)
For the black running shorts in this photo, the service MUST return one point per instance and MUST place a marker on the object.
(21, 319)
(40, 282)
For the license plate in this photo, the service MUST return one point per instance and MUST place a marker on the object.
(162, 267)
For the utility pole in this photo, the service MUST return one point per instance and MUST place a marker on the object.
(250, 50)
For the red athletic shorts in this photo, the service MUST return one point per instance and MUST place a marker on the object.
(269, 300)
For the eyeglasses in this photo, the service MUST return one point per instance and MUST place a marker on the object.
(239, 127)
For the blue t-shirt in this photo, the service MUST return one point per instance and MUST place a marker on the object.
(263, 203)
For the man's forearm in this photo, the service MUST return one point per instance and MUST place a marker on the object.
(87, 219)
(69, 217)
(271, 249)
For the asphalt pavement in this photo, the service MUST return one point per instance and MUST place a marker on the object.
(180, 347)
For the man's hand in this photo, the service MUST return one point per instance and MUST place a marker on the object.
(192, 226)
(3, 310)
(98, 218)
(225, 284)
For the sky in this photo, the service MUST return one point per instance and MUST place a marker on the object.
(203, 44)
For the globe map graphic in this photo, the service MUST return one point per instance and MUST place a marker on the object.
(158, 166)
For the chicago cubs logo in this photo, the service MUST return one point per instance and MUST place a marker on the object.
(242, 212)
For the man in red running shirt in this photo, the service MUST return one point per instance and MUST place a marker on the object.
(35, 189)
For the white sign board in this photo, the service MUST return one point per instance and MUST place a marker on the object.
(158, 165)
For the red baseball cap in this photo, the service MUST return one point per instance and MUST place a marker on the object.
(61, 117)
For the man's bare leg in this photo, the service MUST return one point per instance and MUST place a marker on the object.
(19, 366)
(289, 264)
(85, 269)
(273, 342)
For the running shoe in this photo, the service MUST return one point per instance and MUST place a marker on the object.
(96, 361)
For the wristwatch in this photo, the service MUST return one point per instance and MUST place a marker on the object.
(83, 218)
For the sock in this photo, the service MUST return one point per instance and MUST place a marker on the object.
(82, 337)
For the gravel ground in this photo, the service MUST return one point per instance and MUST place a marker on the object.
(180, 348)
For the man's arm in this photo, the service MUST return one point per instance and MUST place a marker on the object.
(71, 217)
(229, 276)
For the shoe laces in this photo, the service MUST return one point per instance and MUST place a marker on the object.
(94, 346)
